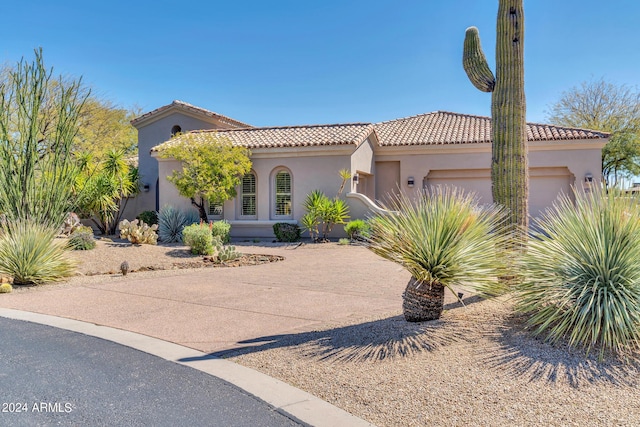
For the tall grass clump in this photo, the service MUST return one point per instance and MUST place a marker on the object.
(444, 239)
(582, 268)
(171, 222)
(31, 254)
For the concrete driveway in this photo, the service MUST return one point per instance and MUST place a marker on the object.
(214, 309)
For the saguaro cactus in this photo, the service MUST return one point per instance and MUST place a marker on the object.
(509, 166)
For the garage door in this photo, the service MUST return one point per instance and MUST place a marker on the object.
(545, 184)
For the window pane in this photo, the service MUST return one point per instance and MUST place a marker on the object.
(248, 205)
(249, 184)
(248, 196)
(283, 204)
(283, 194)
(283, 182)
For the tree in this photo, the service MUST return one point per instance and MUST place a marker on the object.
(212, 168)
(103, 188)
(509, 164)
(604, 106)
(38, 124)
(104, 127)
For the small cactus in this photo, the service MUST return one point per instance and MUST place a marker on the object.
(227, 253)
(138, 232)
(124, 268)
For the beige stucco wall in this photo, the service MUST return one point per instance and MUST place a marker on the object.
(363, 164)
(310, 168)
(469, 165)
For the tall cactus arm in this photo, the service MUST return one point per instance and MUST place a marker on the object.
(475, 63)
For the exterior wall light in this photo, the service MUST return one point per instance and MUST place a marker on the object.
(410, 182)
(146, 188)
(356, 179)
(588, 178)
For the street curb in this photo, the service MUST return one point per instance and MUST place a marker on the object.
(285, 398)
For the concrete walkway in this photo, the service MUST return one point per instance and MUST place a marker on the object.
(211, 310)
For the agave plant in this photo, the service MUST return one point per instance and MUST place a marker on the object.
(30, 253)
(444, 239)
(171, 222)
(583, 273)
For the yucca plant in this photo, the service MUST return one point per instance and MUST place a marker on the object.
(444, 239)
(31, 254)
(582, 280)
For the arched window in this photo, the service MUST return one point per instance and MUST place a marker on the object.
(282, 197)
(248, 206)
(175, 130)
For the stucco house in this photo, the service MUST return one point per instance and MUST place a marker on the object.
(405, 155)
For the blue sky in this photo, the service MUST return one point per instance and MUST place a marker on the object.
(289, 62)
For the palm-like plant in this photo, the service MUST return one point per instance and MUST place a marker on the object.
(104, 188)
(323, 214)
(444, 239)
(583, 273)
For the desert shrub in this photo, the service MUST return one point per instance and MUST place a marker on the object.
(357, 228)
(443, 238)
(30, 253)
(138, 232)
(222, 229)
(6, 288)
(286, 232)
(582, 280)
(81, 239)
(172, 221)
(344, 241)
(199, 238)
(148, 217)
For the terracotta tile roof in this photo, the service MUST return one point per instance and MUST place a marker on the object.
(443, 127)
(286, 136)
(192, 108)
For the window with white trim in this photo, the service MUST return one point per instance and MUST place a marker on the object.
(248, 195)
(282, 203)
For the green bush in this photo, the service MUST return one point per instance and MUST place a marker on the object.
(286, 232)
(81, 239)
(6, 288)
(199, 238)
(31, 254)
(344, 242)
(222, 229)
(138, 232)
(357, 228)
(148, 217)
(582, 277)
(172, 221)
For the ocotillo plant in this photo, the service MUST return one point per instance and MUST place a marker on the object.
(509, 166)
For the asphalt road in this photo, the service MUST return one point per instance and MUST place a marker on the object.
(50, 376)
